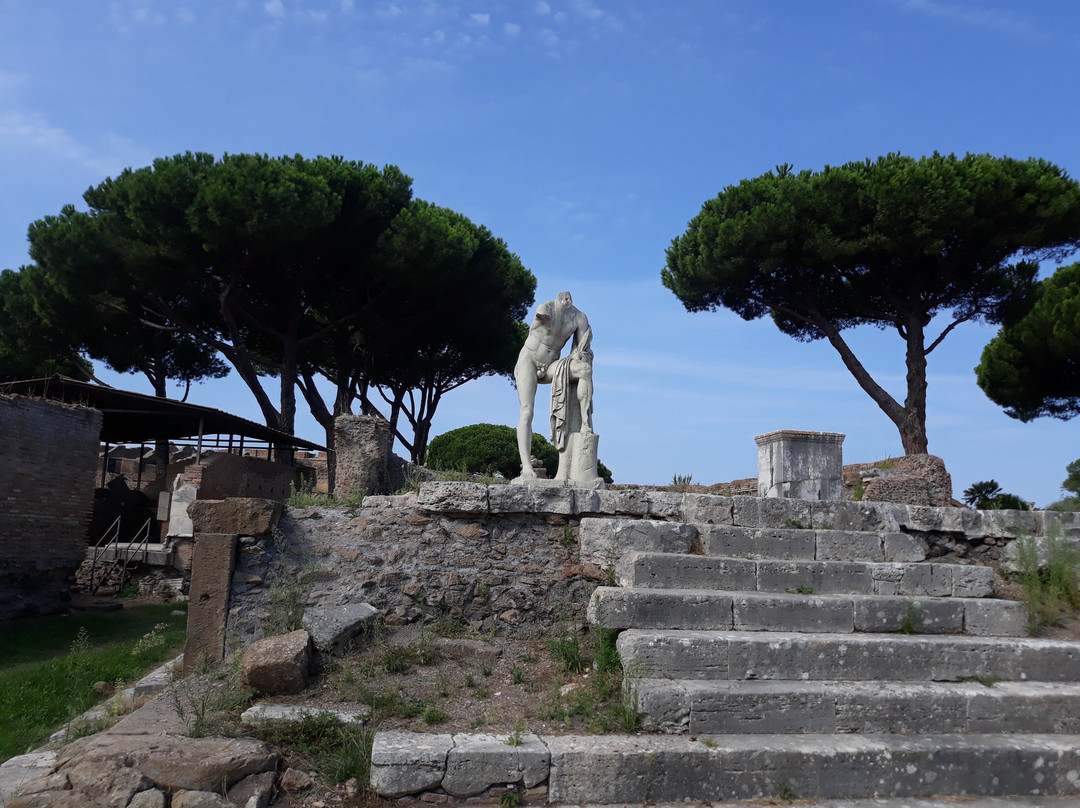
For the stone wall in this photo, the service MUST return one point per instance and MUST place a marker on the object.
(913, 480)
(48, 467)
(507, 558)
(511, 573)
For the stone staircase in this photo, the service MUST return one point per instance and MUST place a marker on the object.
(818, 664)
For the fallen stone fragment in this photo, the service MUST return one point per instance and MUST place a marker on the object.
(278, 666)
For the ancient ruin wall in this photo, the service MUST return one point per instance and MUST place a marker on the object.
(48, 468)
(516, 574)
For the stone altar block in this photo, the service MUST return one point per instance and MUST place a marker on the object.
(793, 464)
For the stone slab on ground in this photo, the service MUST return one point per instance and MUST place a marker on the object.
(477, 762)
(646, 769)
(407, 763)
(21, 769)
(159, 679)
(333, 628)
(846, 657)
(273, 713)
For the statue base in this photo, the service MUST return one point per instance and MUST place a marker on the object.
(577, 464)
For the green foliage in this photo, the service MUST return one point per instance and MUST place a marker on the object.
(1072, 482)
(305, 496)
(891, 242)
(49, 665)
(566, 650)
(31, 348)
(1051, 588)
(337, 751)
(987, 495)
(290, 268)
(492, 449)
(1067, 505)
(510, 799)
(1030, 368)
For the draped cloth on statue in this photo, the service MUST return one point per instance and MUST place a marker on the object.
(565, 411)
(563, 400)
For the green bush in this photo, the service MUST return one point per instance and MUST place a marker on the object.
(491, 449)
(987, 495)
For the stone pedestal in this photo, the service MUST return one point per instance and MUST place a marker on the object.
(577, 464)
(800, 465)
(362, 447)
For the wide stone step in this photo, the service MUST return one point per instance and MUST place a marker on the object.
(656, 769)
(604, 541)
(709, 609)
(653, 654)
(681, 571)
(901, 708)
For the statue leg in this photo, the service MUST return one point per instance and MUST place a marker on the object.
(525, 376)
(581, 373)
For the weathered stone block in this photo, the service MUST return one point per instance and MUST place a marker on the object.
(334, 628)
(406, 762)
(279, 665)
(680, 571)
(616, 608)
(800, 465)
(708, 509)
(243, 516)
(814, 577)
(996, 618)
(362, 444)
(603, 541)
(902, 547)
(477, 762)
(840, 545)
(453, 497)
(211, 576)
(972, 581)
(921, 615)
(805, 613)
(738, 542)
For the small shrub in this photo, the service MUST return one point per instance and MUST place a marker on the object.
(511, 799)
(566, 650)
(1051, 590)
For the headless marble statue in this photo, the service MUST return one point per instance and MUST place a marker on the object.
(556, 322)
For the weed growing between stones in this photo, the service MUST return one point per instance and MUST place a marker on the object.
(796, 524)
(337, 751)
(566, 650)
(305, 497)
(511, 798)
(206, 700)
(910, 622)
(1051, 589)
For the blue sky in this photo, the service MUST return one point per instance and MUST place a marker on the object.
(586, 135)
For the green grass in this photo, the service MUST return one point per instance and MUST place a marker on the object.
(322, 742)
(48, 668)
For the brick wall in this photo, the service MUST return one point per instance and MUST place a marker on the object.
(222, 475)
(48, 469)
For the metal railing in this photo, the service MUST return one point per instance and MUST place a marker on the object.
(121, 557)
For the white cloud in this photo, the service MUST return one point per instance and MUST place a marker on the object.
(346, 6)
(185, 15)
(21, 131)
(436, 38)
(542, 8)
(969, 15)
(587, 10)
(275, 8)
(389, 12)
(415, 65)
(513, 29)
(480, 19)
